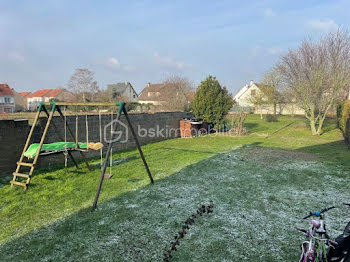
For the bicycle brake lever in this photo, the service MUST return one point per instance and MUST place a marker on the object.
(309, 215)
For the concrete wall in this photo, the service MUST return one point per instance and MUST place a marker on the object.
(13, 134)
(284, 109)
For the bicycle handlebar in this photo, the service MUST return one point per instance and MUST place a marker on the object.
(319, 213)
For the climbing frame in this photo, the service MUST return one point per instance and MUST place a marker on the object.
(55, 107)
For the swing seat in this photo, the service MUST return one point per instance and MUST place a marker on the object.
(60, 147)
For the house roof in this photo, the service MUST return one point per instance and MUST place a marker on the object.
(24, 94)
(5, 90)
(55, 92)
(245, 89)
(120, 87)
(152, 88)
(40, 93)
(46, 93)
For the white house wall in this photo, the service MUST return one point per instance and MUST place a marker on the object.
(244, 99)
(244, 95)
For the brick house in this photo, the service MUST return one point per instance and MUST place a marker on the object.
(124, 90)
(7, 99)
(46, 95)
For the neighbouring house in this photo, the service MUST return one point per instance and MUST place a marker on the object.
(157, 94)
(244, 96)
(7, 99)
(21, 101)
(167, 96)
(123, 91)
(25, 94)
(46, 95)
(153, 94)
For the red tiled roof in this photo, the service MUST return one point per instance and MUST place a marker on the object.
(55, 92)
(24, 94)
(46, 93)
(5, 90)
(40, 93)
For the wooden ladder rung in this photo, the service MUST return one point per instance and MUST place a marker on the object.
(25, 164)
(20, 175)
(18, 183)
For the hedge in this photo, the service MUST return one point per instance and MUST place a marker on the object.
(343, 115)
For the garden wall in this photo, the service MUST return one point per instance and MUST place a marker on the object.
(13, 134)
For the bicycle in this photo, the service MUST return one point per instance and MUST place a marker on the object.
(318, 246)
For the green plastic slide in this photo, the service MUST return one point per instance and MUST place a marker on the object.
(53, 147)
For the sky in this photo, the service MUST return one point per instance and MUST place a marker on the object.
(43, 42)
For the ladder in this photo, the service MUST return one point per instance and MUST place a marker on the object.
(20, 163)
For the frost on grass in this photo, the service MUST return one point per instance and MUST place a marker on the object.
(259, 195)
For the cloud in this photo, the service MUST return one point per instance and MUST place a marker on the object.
(169, 61)
(114, 64)
(269, 13)
(16, 57)
(259, 52)
(274, 51)
(322, 25)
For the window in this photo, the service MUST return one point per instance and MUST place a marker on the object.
(7, 100)
(253, 92)
(133, 96)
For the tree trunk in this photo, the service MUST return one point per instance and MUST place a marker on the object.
(313, 126)
(261, 113)
(320, 124)
(274, 109)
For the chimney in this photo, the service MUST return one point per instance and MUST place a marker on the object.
(251, 82)
(126, 83)
(149, 83)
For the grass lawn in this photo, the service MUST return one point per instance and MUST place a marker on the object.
(260, 185)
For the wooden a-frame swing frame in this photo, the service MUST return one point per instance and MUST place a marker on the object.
(55, 106)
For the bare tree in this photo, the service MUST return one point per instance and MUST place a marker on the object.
(238, 118)
(258, 100)
(316, 74)
(271, 88)
(176, 92)
(94, 90)
(82, 83)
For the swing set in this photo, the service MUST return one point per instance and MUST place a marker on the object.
(35, 150)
